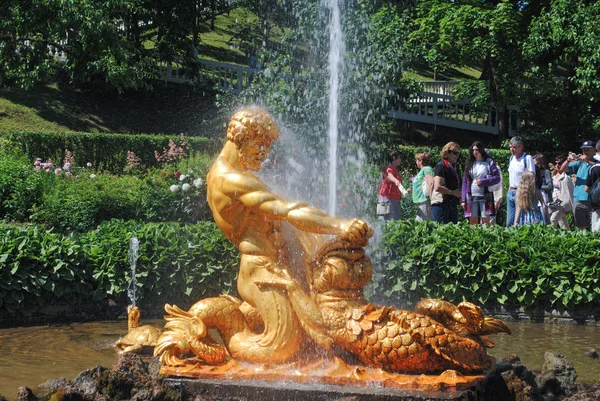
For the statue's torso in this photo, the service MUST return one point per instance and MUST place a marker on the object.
(251, 232)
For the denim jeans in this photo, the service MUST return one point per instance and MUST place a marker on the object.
(444, 213)
(511, 207)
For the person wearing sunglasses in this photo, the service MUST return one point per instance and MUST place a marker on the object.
(446, 186)
(481, 173)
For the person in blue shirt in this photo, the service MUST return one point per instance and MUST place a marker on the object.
(580, 164)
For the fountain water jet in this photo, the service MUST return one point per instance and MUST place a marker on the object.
(134, 246)
(336, 54)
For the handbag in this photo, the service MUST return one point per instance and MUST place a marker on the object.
(425, 188)
(383, 207)
(495, 187)
(555, 204)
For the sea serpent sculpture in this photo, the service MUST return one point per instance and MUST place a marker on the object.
(316, 298)
(437, 337)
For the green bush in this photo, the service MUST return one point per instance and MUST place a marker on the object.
(81, 201)
(534, 267)
(177, 263)
(21, 188)
(531, 267)
(81, 204)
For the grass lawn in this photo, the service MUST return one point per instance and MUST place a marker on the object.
(170, 109)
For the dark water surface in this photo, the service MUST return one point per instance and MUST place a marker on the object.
(33, 355)
(531, 340)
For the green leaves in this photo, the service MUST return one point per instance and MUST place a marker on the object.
(530, 267)
(178, 264)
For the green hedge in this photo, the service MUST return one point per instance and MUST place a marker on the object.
(534, 267)
(531, 267)
(177, 264)
(106, 152)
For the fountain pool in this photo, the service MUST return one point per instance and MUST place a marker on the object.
(34, 355)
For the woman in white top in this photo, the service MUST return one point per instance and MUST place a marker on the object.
(562, 196)
(480, 174)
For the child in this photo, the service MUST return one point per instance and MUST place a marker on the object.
(527, 201)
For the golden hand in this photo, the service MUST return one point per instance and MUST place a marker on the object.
(356, 231)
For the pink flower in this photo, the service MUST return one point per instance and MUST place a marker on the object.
(38, 162)
(69, 174)
(58, 171)
(67, 166)
(38, 168)
(89, 164)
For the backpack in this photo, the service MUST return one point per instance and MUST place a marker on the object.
(538, 173)
(594, 192)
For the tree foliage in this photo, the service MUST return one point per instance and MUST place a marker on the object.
(542, 56)
(563, 51)
(118, 43)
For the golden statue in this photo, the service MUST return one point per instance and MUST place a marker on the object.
(316, 298)
(139, 339)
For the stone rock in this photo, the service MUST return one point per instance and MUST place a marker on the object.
(53, 385)
(130, 378)
(558, 376)
(25, 394)
(518, 388)
(585, 392)
(511, 382)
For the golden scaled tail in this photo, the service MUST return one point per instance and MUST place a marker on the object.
(183, 335)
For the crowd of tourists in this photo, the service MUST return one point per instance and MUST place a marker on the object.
(537, 191)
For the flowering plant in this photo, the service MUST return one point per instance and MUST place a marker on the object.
(189, 191)
(174, 152)
(68, 166)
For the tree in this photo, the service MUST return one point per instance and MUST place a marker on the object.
(466, 33)
(563, 49)
(118, 44)
(85, 39)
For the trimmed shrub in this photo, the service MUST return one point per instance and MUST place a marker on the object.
(533, 266)
(177, 264)
(106, 152)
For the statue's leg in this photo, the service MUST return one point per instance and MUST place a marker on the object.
(282, 333)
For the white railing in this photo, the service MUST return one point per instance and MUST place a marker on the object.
(446, 111)
(435, 105)
(225, 76)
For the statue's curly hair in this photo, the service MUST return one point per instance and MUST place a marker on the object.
(252, 123)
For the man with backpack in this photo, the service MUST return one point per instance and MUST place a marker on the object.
(519, 163)
(580, 165)
(592, 187)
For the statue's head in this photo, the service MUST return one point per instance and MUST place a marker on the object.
(252, 131)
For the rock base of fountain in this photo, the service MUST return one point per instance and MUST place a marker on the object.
(251, 390)
(137, 378)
